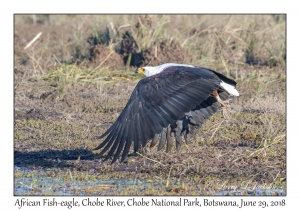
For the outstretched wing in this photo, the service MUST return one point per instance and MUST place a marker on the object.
(156, 102)
(188, 125)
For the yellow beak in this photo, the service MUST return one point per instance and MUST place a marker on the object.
(140, 70)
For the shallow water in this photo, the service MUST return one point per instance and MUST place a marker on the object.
(40, 182)
(255, 192)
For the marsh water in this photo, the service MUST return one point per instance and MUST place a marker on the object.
(48, 182)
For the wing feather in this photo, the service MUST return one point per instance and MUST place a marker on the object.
(128, 141)
(109, 140)
(156, 102)
(116, 143)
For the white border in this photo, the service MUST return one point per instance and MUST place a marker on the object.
(186, 6)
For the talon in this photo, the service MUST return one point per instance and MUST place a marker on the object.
(224, 104)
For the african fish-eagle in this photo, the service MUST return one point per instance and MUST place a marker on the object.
(174, 100)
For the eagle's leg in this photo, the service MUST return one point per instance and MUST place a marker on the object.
(224, 104)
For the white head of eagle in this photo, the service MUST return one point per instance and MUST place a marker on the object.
(173, 100)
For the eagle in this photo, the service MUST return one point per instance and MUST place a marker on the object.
(173, 100)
